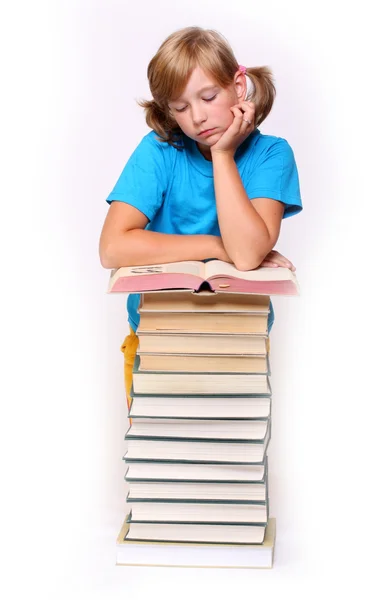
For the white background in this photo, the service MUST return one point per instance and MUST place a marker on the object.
(71, 72)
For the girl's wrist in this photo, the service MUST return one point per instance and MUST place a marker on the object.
(212, 247)
(218, 154)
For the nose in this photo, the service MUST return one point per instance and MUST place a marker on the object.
(199, 114)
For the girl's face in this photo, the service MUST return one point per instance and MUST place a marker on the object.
(203, 110)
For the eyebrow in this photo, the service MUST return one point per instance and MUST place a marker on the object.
(203, 89)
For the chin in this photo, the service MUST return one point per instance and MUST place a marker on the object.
(215, 137)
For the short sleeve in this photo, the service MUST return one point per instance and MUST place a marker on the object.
(274, 175)
(143, 181)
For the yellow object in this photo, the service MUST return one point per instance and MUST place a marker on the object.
(129, 349)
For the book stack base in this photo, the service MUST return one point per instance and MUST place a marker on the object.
(168, 554)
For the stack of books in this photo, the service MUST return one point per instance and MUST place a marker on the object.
(197, 469)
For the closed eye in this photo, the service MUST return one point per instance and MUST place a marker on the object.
(180, 110)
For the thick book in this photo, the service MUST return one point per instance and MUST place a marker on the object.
(169, 472)
(191, 512)
(202, 363)
(197, 430)
(204, 301)
(216, 274)
(196, 533)
(190, 491)
(166, 382)
(195, 450)
(199, 407)
(204, 322)
(169, 554)
(198, 343)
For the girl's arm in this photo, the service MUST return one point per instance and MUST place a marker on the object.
(247, 236)
(124, 242)
(249, 228)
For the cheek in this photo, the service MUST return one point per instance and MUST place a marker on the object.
(181, 121)
(224, 112)
(225, 118)
(230, 117)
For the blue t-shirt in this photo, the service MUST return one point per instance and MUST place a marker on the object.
(174, 188)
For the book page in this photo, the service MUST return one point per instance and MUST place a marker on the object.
(189, 267)
(215, 268)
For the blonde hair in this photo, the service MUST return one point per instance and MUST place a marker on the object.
(171, 67)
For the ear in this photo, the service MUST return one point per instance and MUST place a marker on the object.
(240, 85)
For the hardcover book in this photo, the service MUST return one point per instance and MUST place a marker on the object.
(191, 512)
(204, 322)
(204, 301)
(202, 363)
(190, 491)
(200, 343)
(199, 407)
(196, 533)
(161, 472)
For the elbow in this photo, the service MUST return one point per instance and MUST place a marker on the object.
(112, 253)
(246, 265)
(106, 264)
(249, 262)
(252, 261)
(107, 256)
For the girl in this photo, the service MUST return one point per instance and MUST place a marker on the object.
(204, 183)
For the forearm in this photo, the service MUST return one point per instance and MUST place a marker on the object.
(244, 234)
(144, 247)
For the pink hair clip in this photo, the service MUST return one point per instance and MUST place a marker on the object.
(242, 69)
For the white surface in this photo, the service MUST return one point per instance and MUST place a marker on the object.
(71, 75)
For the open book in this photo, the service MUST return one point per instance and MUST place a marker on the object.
(219, 276)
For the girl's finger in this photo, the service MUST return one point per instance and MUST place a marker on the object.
(279, 260)
(267, 263)
(275, 256)
(236, 111)
(278, 263)
(248, 109)
(238, 114)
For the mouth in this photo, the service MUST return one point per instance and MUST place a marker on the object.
(207, 132)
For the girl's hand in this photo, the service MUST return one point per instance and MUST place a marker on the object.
(242, 126)
(275, 259)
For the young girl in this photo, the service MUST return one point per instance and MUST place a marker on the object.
(204, 183)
